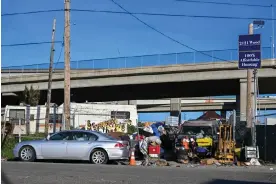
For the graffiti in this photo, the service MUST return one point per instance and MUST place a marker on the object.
(111, 125)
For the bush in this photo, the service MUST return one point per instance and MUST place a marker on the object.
(131, 129)
(11, 141)
(8, 147)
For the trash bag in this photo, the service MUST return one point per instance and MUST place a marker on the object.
(148, 129)
(154, 139)
(155, 130)
(143, 146)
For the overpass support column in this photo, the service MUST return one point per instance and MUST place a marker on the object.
(176, 108)
(127, 102)
(132, 102)
(223, 114)
(243, 132)
(242, 100)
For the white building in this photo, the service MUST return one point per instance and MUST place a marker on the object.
(80, 114)
(270, 121)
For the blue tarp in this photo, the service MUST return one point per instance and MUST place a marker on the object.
(155, 128)
(201, 150)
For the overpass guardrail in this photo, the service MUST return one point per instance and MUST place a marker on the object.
(138, 61)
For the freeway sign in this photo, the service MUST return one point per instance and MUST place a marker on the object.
(250, 51)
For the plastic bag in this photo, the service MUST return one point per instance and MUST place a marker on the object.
(148, 129)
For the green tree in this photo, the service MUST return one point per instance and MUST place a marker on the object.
(31, 96)
(131, 129)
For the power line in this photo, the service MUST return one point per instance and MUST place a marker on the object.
(171, 15)
(144, 14)
(271, 114)
(58, 61)
(163, 34)
(31, 12)
(229, 4)
(26, 44)
(58, 57)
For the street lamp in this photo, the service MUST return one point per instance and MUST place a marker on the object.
(259, 23)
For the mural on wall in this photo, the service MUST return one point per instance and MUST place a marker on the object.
(112, 125)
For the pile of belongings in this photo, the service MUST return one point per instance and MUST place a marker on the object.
(143, 146)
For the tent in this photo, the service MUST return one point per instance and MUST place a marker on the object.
(210, 115)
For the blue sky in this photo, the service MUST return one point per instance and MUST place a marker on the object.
(100, 35)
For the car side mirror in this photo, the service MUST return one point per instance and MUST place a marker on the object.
(48, 137)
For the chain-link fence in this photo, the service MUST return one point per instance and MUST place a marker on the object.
(136, 61)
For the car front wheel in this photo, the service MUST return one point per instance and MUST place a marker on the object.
(27, 154)
(99, 156)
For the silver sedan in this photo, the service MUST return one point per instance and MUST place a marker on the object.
(74, 145)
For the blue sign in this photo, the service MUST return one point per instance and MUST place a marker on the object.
(250, 51)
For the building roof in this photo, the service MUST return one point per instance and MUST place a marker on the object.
(209, 115)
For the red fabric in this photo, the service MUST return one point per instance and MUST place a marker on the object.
(153, 149)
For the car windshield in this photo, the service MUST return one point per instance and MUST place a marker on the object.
(106, 136)
(194, 130)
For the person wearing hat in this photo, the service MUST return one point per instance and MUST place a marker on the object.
(193, 145)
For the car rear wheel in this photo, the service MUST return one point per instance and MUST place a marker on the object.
(27, 154)
(99, 156)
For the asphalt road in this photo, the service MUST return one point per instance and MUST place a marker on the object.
(63, 173)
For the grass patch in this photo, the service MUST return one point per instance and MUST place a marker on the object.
(11, 141)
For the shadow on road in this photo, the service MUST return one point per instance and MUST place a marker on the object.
(67, 161)
(219, 181)
(5, 179)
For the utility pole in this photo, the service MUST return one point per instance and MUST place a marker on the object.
(66, 105)
(249, 88)
(50, 79)
(273, 33)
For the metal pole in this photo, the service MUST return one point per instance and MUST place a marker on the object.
(55, 119)
(255, 109)
(19, 129)
(265, 140)
(249, 89)
(273, 34)
(234, 125)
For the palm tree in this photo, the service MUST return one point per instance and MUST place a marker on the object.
(31, 96)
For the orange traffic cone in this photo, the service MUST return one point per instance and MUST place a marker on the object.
(132, 159)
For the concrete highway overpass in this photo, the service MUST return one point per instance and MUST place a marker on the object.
(186, 80)
(200, 104)
(170, 81)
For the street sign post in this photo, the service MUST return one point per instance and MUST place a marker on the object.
(250, 51)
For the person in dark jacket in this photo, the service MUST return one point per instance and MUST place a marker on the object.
(193, 145)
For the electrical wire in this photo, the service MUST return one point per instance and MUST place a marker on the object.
(171, 15)
(143, 13)
(163, 34)
(225, 3)
(271, 114)
(27, 44)
(31, 12)
(58, 61)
